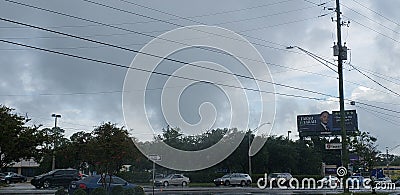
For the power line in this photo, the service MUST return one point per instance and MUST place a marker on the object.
(178, 25)
(377, 13)
(141, 33)
(381, 108)
(161, 57)
(165, 74)
(152, 18)
(380, 75)
(379, 23)
(385, 119)
(237, 75)
(158, 73)
(379, 112)
(374, 80)
(372, 29)
(185, 78)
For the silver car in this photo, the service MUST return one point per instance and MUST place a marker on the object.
(241, 179)
(172, 179)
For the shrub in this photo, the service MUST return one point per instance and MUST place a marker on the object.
(99, 191)
(61, 191)
(117, 190)
(139, 190)
(129, 191)
(79, 192)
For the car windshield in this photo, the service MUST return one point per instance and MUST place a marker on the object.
(169, 176)
(225, 176)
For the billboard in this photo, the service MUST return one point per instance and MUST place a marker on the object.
(312, 125)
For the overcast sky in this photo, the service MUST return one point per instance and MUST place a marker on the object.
(88, 93)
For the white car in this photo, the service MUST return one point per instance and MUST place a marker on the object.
(172, 179)
(241, 179)
(384, 180)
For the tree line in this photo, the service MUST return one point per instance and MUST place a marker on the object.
(106, 148)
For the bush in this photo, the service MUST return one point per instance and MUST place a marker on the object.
(61, 191)
(117, 190)
(99, 191)
(79, 192)
(139, 190)
(129, 191)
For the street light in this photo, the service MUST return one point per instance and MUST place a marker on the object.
(53, 164)
(316, 57)
(250, 144)
(288, 133)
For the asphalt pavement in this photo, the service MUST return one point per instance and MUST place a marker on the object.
(27, 188)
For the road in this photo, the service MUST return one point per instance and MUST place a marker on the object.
(27, 188)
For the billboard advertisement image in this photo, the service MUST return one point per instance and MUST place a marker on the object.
(326, 124)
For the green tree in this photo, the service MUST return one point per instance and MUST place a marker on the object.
(18, 141)
(364, 145)
(110, 148)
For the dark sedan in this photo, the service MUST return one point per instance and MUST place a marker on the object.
(92, 182)
(14, 178)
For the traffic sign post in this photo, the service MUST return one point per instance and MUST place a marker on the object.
(154, 158)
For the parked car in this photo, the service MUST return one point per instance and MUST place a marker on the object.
(397, 183)
(57, 177)
(92, 182)
(2, 175)
(329, 181)
(172, 179)
(383, 180)
(241, 179)
(273, 178)
(157, 176)
(14, 178)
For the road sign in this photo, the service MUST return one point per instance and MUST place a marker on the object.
(154, 157)
(333, 146)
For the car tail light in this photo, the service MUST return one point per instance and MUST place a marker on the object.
(82, 186)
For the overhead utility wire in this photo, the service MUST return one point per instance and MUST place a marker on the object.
(379, 112)
(179, 25)
(158, 73)
(143, 34)
(316, 57)
(383, 118)
(374, 80)
(372, 29)
(60, 13)
(140, 33)
(386, 109)
(353, 68)
(165, 58)
(168, 21)
(379, 23)
(380, 75)
(377, 13)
